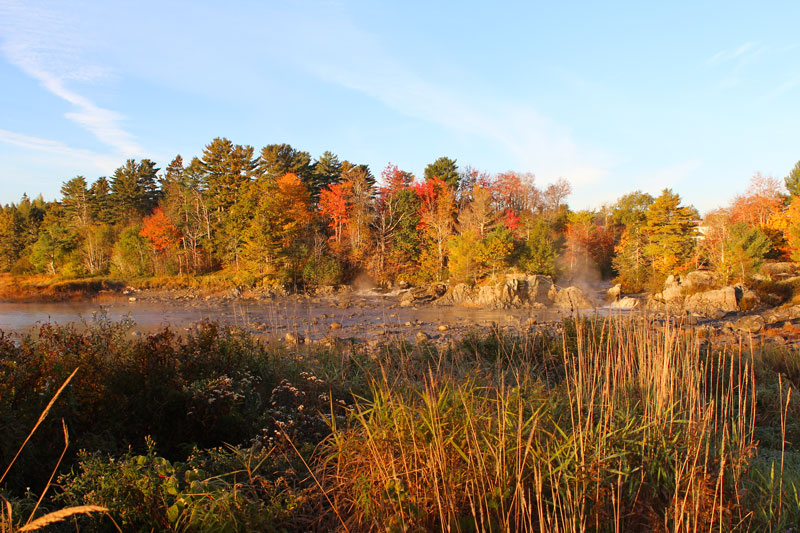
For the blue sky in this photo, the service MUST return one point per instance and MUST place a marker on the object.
(696, 96)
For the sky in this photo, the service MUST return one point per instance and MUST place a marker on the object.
(612, 96)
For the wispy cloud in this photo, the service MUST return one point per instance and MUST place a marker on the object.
(105, 163)
(358, 62)
(744, 50)
(42, 43)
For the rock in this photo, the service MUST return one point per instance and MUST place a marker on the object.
(748, 300)
(750, 324)
(782, 314)
(625, 303)
(406, 299)
(709, 302)
(690, 320)
(613, 294)
(335, 325)
(461, 294)
(422, 336)
(778, 270)
(132, 298)
(700, 280)
(443, 327)
(291, 338)
(572, 298)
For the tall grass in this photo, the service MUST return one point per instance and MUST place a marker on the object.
(644, 430)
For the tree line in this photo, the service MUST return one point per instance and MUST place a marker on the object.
(286, 218)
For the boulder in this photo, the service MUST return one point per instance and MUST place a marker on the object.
(710, 302)
(779, 270)
(625, 303)
(749, 324)
(540, 289)
(748, 299)
(572, 298)
(700, 280)
(613, 294)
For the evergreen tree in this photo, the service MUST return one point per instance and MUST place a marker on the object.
(134, 190)
(670, 233)
(793, 180)
(75, 200)
(280, 159)
(745, 248)
(327, 171)
(540, 252)
(445, 169)
(226, 168)
(12, 237)
(101, 203)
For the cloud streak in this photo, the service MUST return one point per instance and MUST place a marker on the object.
(40, 42)
(358, 63)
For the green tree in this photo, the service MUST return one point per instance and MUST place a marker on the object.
(631, 209)
(12, 237)
(75, 199)
(793, 180)
(101, 203)
(52, 251)
(745, 248)
(326, 171)
(495, 250)
(227, 167)
(134, 190)
(132, 254)
(280, 159)
(540, 251)
(670, 231)
(445, 169)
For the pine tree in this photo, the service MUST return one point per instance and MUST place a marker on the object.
(134, 190)
(101, 203)
(670, 233)
(444, 169)
(327, 171)
(792, 181)
(226, 168)
(277, 160)
(75, 200)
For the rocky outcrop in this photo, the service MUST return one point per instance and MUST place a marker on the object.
(670, 298)
(422, 295)
(779, 270)
(691, 294)
(782, 314)
(513, 291)
(723, 300)
(701, 280)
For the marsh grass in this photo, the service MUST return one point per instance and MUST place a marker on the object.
(643, 429)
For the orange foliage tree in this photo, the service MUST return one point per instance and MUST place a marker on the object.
(334, 205)
(762, 199)
(159, 231)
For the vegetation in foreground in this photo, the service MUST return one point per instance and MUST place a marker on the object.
(615, 425)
